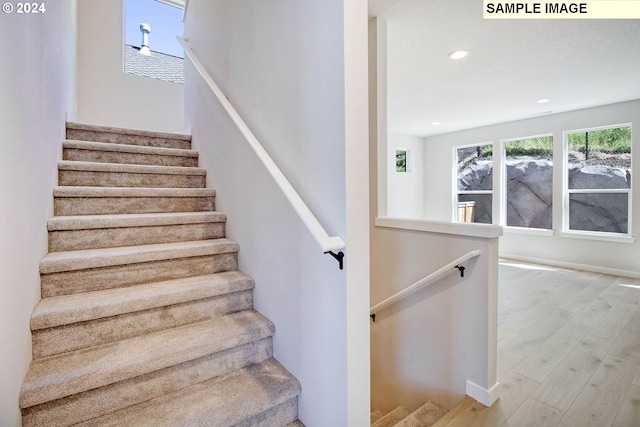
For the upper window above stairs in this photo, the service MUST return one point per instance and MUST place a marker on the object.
(150, 46)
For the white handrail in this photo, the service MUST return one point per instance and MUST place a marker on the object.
(425, 281)
(326, 242)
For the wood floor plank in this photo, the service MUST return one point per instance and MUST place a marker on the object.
(515, 390)
(624, 289)
(598, 402)
(507, 360)
(612, 323)
(592, 313)
(593, 286)
(530, 339)
(522, 320)
(523, 302)
(533, 413)
(627, 344)
(566, 293)
(539, 364)
(629, 413)
(504, 336)
(566, 381)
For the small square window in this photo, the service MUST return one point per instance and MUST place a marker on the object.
(151, 48)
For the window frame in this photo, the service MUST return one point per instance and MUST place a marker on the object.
(504, 189)
(456, 192)
(567, 192)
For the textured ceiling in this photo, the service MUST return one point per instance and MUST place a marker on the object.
(512, 64)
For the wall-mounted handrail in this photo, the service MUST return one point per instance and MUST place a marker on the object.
(326, 242)
(443, 271)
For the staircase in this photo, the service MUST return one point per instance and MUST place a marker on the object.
(428, 415)
(424, 416)
(144, 318)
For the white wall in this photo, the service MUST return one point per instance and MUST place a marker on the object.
(405, 190)
(37, 86)
(604, 256)
(106, 94)
(282, 66)
(427, 346)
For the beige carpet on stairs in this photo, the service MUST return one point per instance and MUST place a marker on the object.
(145, 319)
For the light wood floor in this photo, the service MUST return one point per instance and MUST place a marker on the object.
(568, 350)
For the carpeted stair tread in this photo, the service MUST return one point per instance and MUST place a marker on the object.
(125, 131)
(67, 233)
(296, 423)
(85, 222)
(70, 165)
(78, 371)
(114, 135)
(82, 192)
(67, 309)
(98, 174)
(55, 262)
(375, 416)
(425, 416)
(103, 400)
(392, 418)
(220, 402)
(123, 148)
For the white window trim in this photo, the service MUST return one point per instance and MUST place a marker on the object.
(598, 235)
(566, 192)
(528, 230)
(503, 183)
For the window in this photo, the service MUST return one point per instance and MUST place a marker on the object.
(529, 182)
(404, 160)
(598, 180)
(474, 181)
(401, 160)
(151, 48)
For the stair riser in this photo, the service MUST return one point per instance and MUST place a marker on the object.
(93, 403)
(126, 179)
(278, 416)
(47, 342)
(127, 158)
(69, 240)
(119, 138)
(71, 282)
(65, 206)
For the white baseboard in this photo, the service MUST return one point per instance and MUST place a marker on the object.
(482, 395)
(574, 266)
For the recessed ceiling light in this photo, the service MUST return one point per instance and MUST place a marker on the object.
(458, 54)
(543, 100)
(435, 123)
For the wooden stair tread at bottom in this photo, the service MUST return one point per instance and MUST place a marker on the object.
(428, 415)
